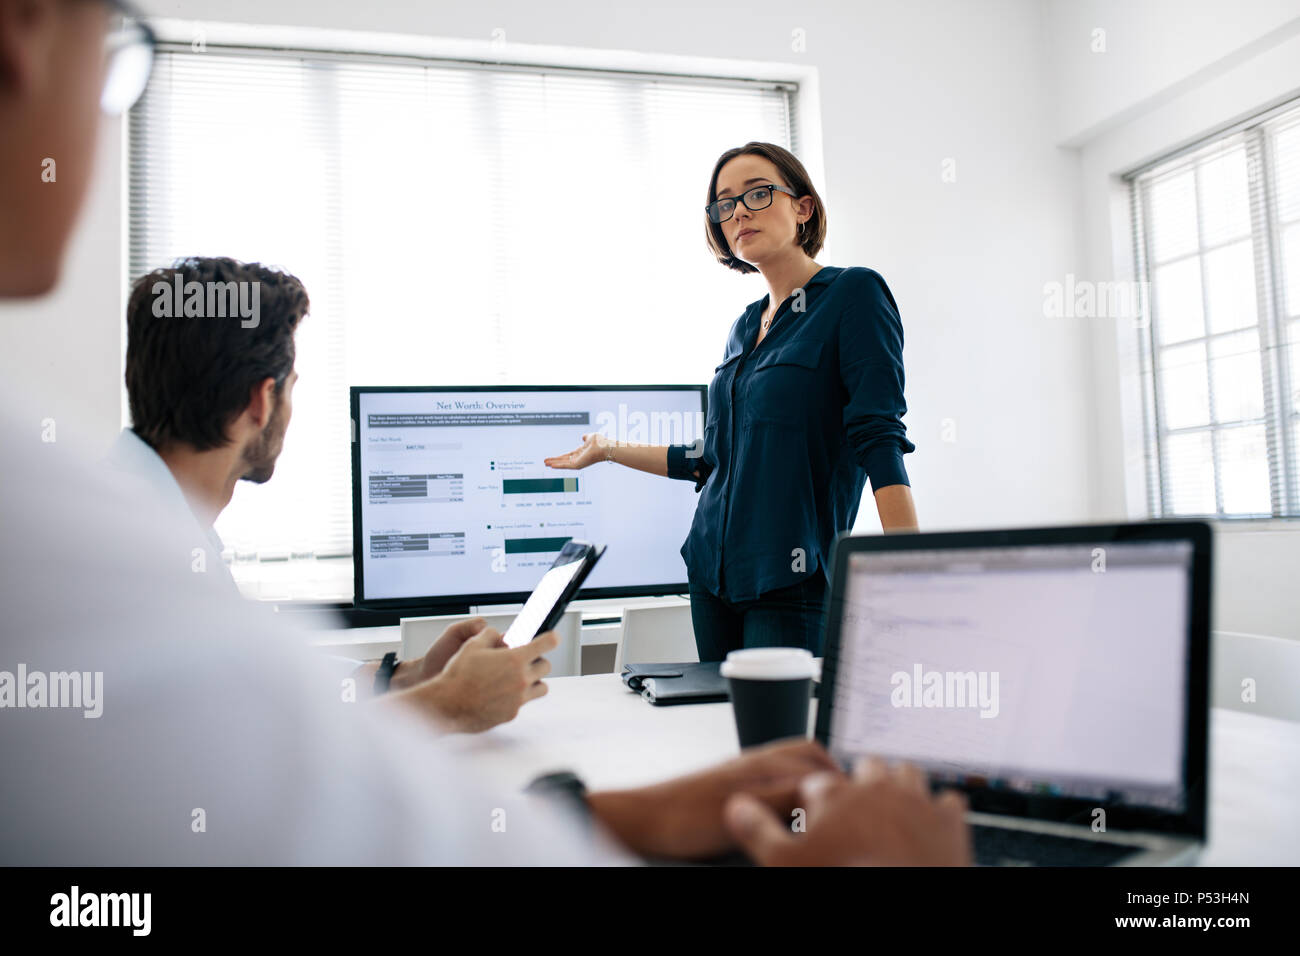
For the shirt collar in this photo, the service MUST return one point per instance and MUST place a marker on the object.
(823, 276)
(133, 456)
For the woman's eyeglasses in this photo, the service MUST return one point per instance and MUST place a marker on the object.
(760, 197)
(129, 53)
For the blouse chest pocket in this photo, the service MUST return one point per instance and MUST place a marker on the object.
(783, 384)
(721, 385)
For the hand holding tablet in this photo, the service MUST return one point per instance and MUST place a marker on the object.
(546, 604)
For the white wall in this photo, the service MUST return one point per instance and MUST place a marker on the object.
(904, 85)
(1172, 73)
(1153, 50)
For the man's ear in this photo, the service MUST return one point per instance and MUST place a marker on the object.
(27, 35)
(261, 399)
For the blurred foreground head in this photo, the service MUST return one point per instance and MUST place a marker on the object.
(59, 61)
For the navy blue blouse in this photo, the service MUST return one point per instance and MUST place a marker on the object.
(795, 427)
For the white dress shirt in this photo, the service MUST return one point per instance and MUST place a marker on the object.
(133, 458)
(223, 738)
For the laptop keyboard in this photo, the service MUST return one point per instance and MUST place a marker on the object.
(996, 846)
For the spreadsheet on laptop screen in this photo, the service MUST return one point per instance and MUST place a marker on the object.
(1053, 669)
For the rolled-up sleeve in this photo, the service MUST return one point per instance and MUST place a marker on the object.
(871, 368)
(686, 463)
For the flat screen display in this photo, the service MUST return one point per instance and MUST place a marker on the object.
(453, 505)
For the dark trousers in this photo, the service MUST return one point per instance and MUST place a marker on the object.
(786, 617)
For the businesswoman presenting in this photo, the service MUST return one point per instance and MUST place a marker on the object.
(805, 408)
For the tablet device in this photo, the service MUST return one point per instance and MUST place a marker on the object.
(542, 610)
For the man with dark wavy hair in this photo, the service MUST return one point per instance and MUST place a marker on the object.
(209, 378)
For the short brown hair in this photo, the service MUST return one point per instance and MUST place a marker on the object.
(796, 177)
(189, 377)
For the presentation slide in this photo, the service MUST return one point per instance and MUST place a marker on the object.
(455, 499)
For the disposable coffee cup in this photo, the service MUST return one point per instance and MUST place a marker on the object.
(770, 688)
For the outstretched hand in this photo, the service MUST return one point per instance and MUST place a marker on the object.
(592, 450)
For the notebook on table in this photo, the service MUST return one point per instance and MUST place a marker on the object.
(689, 682)
(685, 683)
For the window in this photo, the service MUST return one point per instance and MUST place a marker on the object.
(1217, 238)
(454, 224)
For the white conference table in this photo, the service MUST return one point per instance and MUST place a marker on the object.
(611, 738)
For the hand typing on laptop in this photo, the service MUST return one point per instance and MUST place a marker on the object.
(683, 818)
(877, 817)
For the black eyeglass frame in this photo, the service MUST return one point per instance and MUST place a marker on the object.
(130, 12)
(138, 25)
(709, 210)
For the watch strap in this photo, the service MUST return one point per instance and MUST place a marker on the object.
(384, 675)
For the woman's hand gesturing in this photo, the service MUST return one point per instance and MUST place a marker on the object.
(595, 448)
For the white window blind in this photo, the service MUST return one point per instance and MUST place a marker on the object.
(454, 224)
(1217, 234)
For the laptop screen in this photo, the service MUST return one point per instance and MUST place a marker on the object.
(1049, 669)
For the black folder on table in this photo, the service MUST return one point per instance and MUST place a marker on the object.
(686, 683)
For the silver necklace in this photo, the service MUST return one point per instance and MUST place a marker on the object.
(766, 322)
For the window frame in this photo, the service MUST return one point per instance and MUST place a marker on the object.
(1283, 458)
(799, 81)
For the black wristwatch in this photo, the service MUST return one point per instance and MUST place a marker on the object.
(565, 788)
(385, 672)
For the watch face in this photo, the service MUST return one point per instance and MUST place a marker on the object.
(563, 780)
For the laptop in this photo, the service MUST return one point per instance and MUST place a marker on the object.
(1059, 677)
